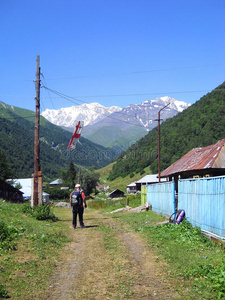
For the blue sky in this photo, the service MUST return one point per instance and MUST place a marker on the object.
(115, 52)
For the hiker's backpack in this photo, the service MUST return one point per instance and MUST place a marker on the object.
(76, 199)
(178, 216)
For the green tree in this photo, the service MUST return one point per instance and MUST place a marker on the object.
(72, 173)
(89, 180)
(69, 176)
(5, 171)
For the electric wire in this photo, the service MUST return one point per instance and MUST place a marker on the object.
(47, 90)
(119, 112)
(139, 72)
(109, 116)
(146, 94)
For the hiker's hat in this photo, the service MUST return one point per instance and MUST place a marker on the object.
(77, 185)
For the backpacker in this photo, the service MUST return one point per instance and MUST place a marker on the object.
(76, 199)
(178, 216)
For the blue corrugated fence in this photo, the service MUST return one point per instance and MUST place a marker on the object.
(162, 197)
(203, 200)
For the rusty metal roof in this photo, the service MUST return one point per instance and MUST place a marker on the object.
(199, 158)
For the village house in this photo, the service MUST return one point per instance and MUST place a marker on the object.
(199, 162)
(148, 179)
(26, 186)
(26, 189)
(55, 183)
(132, 188)
(116, 194)
(10, 193)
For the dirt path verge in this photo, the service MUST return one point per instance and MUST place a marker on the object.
(106, 260)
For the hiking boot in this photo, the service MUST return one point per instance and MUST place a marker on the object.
(82, 226)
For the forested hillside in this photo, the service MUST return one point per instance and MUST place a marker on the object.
(17, 143)
(200, 125)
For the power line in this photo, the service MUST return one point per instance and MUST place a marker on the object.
(145, 94)
(68, 98)
(48, 90)
(109, 116)
(139, 72)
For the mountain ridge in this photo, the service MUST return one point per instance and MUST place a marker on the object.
(199, 125)
(17, 142)
(88, 112)
(132, 122)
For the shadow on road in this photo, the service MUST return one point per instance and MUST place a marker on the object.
(91, 226)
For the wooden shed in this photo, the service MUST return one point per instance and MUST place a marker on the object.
(116, 194)
(10, 193)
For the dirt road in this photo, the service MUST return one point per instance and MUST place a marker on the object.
(106, 260)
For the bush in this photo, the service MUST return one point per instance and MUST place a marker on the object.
(40, 212)
(7, 234)
(43, 212)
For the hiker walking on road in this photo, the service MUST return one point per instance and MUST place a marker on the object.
(77, 201)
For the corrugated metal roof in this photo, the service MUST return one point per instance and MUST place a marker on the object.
(149, 179)
(57, 181)
(199, 158)
(132, 184)
(26, 184)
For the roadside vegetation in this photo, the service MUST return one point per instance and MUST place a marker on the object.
(194, 261)
(31, 246)
(120, 182)
(104, 203)
(28, 249)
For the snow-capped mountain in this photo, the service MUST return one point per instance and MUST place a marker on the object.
(110, 126)
(174, 104)
(89, 113)
(93, 113)
(142, 115)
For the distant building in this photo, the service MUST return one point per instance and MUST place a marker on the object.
(9, 192)
(56, 182)
(116, 194)
(26, 189)
(26, 186)
(45, 198)
(132, 188)
(148, 179)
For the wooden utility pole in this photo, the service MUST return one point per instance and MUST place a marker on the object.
(37, 173)
(159, 139)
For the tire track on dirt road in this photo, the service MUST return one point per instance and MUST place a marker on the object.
(106, 260)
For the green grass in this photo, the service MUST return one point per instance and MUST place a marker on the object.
(194, 261)
(28, 251)
(119, 183)
(107, 204)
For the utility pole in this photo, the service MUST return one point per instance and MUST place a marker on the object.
(79, 177)
(37, 173)
(159, 139)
